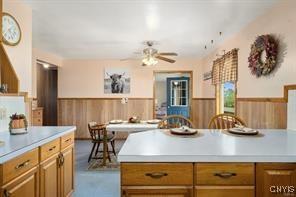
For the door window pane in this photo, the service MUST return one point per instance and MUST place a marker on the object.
(179, 90)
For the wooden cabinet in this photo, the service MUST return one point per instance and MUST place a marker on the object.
(224, 179)
(157, 179)
(50, 177)
(26, 185)
(224, 191)
(37, 116)
(67, 171)
(53, 176)
(166, 191)
(275, 180)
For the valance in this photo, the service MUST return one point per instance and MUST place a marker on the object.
(225, 68)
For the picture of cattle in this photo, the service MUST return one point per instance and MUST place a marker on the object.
(116, 81)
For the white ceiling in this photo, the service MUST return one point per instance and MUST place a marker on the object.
(116, 28)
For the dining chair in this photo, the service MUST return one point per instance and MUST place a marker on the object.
(175, 121)
(96, 132)
(225, 121)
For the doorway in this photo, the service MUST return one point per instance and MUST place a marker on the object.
(172, 93)
(47, 78)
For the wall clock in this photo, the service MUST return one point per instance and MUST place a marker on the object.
(11, 31)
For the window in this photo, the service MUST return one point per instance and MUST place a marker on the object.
(226, 97)
(224, 78)
(179, 89)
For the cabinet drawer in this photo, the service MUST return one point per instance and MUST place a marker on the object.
(67, 140)
(37, 121)
(19, 165)
(225, 174)
(49, 149)
(37, 113)
(156, 173)
(224, 191)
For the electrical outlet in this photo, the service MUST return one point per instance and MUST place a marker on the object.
(3, 113)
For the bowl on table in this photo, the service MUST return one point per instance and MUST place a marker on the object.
(116, 121)
(134, 119)
(184, 130)
(241, 130)
(154, 121)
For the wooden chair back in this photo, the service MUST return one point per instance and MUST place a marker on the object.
(95, 130)
(225, 121)
(175, 121)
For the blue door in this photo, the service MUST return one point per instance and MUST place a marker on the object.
(178, 96)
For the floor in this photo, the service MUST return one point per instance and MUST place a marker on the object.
(94, 183)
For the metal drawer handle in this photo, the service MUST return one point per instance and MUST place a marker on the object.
(24, 164)
(52, 148)
(225, 175)
(68, 140)
(156, 175)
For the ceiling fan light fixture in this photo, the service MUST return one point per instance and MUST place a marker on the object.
(149, 61)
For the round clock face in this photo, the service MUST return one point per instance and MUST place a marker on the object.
(11, 32)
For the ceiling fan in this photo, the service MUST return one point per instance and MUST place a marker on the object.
(151, 55)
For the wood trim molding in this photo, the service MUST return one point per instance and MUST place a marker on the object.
(203, 99)
(263, 99)
(102, 98)
(286, 91)
(22, 94)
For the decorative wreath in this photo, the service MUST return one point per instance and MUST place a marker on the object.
(262, 43)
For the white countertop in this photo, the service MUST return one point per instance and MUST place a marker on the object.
(131, 127)
(210, 146)
(15, 145)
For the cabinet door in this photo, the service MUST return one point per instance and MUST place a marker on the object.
(67, 172)
(275, 180)
(155, 191)
(26, 185)
(49, 177)
(225, 191)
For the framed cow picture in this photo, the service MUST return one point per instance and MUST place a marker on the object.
(117, 81)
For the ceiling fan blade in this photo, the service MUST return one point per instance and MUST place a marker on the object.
(165, 59)
(168, 54)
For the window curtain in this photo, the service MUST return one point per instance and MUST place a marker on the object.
(225, 68)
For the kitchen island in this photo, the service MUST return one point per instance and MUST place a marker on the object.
(214, 164)
(38, 163)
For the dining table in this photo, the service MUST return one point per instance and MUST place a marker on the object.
(125, 126)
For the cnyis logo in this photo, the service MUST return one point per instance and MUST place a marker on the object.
(287, 190)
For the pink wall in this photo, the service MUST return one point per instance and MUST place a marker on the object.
(280, 21)
(85, 78)
(21, 55)
(46, 57)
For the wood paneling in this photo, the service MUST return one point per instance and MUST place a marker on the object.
(80, 111)
(8, 74)
(261, 115)
(203, 109)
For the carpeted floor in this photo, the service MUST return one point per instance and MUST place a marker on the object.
(90, 183)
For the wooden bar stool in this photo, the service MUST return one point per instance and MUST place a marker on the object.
(96, 132)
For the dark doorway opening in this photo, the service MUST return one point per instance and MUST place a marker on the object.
(47, 78)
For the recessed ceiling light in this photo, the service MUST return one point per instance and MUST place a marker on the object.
(45, 65)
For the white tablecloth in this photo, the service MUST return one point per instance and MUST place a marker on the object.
(131, 127)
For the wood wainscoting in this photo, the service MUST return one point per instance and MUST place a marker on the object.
(263, 113)
(258, 113)
(80, 111)
(203, 109)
